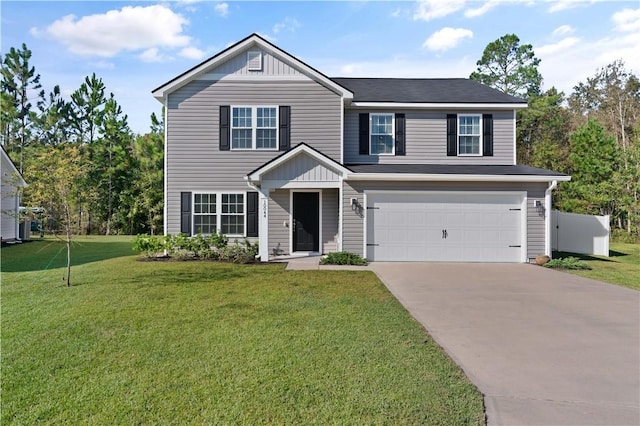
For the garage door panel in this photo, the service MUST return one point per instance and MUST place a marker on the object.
(411, 227)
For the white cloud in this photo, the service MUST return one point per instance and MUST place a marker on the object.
(563, 30)
(560, 5)
(428, 10)
(627, 20)
(222, 9)
(446, 38)
(105, 65)
(192, 53)
(130, 28)
(478, 11)
(288, 24)
(561, 46)
(152, 55)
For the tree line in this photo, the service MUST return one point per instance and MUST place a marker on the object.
(84, 165)
(592, 134)
(113, 178)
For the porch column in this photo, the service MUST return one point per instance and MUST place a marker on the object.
(263, 224)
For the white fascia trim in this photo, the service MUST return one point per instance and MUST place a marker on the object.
(165, 219)
(257, 176)
(163, 90)
(455, 177)
(298, 184)
(515, 145)
(435, 105)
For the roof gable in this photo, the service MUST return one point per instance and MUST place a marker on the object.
(252, 41)
(11, 176)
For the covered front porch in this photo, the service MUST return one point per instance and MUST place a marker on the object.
(300, 204)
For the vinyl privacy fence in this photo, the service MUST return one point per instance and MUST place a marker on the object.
(580, 233)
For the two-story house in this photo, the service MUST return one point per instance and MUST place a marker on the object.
(261, 145)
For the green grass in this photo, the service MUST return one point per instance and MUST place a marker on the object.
(622, 267)
(205, 343)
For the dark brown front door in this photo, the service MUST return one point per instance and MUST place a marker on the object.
(306, 221)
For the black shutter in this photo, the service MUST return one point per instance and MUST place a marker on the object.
(285, 128)
(252, 214)
(225, 128)
(400, 135)
(364, 134)
(452, 135)
(185, 213)
(487, 135)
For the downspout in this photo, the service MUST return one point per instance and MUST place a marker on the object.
(547, 217)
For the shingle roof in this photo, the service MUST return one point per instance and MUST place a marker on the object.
(423, 90)
(462, 169)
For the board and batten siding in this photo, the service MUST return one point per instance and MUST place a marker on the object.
(426, 139)
(280, 221)
(353, 223)
(302, 168)
(194, 161)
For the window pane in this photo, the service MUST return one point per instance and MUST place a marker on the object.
(469, 125)
(266, 138)
(469, 145)
(266, 117)
(241, 117)
(232, 203)
(204, 224)
(381, 144)
(241, 138)
(204, 203)
(232, 224)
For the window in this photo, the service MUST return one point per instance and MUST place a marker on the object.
(232, 214)
(381, 134)
(469, 135)
(221, 213)
(254, 128)
(204, 214)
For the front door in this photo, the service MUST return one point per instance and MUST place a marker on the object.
(306, 221)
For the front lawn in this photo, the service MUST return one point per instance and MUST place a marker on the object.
(201, 343)
(622, 267)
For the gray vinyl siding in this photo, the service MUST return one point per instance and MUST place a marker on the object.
(353, 231)
(302, 168)
(278, 216)
(194, 161)
(426, 139)
(330, 207)
(237, 65)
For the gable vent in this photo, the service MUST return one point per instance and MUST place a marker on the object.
(254, 60)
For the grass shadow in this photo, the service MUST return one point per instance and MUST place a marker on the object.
(558, 254)
(50, 253)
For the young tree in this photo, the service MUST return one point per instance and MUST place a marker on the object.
(510, 67)
(593, 161)
(19, 82)
(54, 185)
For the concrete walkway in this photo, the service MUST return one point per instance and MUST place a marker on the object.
(544, 347)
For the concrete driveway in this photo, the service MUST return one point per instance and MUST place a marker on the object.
(544, 347)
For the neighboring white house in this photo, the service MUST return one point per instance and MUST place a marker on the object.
(10, 199)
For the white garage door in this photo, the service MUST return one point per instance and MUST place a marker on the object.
(445, 227)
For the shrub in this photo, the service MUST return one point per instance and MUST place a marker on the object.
(183, 247)
(149, 245)
(343, 258)
(567, 263)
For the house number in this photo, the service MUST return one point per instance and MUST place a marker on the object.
(264, 208)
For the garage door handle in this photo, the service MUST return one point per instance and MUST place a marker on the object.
(445, 234)
(515, 246)
(372, 245)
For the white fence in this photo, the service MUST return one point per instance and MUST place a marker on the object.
(580, 233)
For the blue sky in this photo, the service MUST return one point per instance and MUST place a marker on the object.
(136, 46)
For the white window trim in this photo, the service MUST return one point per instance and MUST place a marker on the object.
(218, 212)
(254, 127)
(479, 154)
(393, 133)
